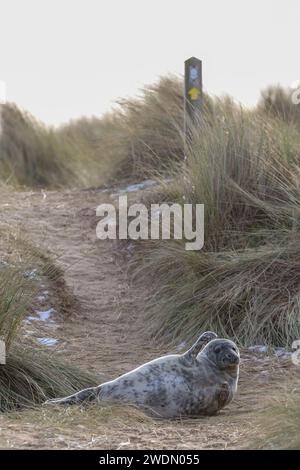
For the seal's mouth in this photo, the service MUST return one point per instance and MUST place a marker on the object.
(231, 359)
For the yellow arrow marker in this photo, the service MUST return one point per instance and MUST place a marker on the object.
(194, 93)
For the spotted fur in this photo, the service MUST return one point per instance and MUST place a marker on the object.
(198, 382)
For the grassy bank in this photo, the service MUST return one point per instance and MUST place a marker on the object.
(244, 167)
(29, 375)
(138, 136)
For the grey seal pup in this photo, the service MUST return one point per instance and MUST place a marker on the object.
(198, 382)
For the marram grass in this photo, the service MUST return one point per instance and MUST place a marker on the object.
(30, 375)
(244, 166)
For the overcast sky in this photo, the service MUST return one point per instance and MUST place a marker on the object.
(61, 59)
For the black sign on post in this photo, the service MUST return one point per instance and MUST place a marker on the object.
(193, 96)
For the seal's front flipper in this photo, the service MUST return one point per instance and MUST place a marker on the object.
(192, 353)
(87, 394)
(223, 395)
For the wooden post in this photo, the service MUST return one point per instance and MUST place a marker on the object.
(193, 94)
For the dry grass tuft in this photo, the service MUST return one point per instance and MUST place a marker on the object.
(29, 375)
(278, 426)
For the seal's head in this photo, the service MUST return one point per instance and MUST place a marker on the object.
(223, 353)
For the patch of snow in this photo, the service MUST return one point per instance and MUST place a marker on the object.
(32, 274)
(31, 318)
(42, 315)
(138, 186)
(47, 341)
(43, 296)
(148, 183)
(131, 188)
(282, 353)
(259, 348)
(45, 314)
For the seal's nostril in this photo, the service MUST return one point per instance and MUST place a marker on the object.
(232, 358)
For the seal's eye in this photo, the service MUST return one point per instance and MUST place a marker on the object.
(217, 349)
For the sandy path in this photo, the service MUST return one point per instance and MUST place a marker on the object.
(108, 335)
